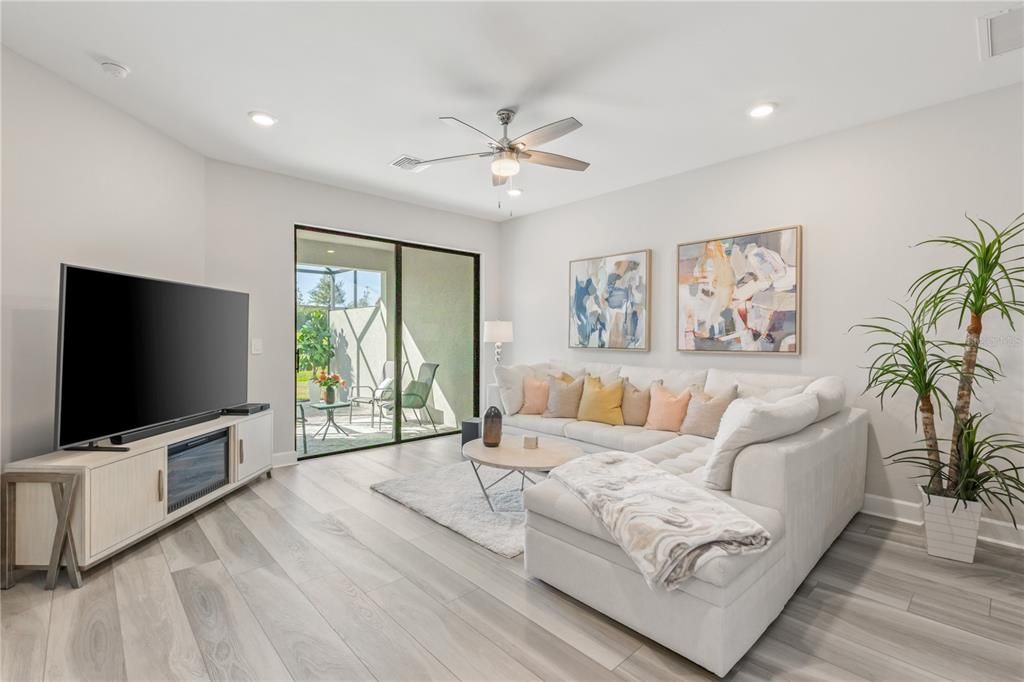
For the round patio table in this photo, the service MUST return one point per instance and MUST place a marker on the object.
(329, 408)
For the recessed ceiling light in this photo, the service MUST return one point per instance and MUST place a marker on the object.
(262, 118)
(515, 192)
(118, 71)
(763, 110)
(330, 250)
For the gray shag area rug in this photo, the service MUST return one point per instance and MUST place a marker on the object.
(450, 495)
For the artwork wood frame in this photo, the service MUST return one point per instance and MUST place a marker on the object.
(773, 256)
(605, 315)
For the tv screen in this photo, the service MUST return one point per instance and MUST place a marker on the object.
(136, 352)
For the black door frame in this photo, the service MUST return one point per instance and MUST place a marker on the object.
(398, 244)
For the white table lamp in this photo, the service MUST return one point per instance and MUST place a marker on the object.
(497, 332)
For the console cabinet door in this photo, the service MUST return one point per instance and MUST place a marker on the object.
(126, 498)
(255, 444)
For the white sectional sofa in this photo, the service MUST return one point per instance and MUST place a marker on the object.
(803, 488)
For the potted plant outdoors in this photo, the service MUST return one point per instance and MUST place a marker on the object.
(314, 348)
(329, 385)
(976, 472)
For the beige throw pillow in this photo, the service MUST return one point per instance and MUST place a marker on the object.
(636, 403)
(704, 413)
(564, 398)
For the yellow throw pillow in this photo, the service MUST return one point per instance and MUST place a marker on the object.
(601, 403)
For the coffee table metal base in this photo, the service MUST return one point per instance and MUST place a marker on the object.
(485, 488)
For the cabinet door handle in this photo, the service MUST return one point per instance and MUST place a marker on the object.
(160, 485)
(241, 451)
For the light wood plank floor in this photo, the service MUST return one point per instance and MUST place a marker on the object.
(310, 575)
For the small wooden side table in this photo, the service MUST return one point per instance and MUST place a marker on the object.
(63, 486)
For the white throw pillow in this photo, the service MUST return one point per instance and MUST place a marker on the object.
(831, 392)
(750, 420)
(510, 387)
(510, 383)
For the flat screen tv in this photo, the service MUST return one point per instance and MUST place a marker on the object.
(135, 352)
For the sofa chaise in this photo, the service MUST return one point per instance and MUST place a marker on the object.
(803, 488)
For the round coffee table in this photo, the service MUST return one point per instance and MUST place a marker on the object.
(511, 455)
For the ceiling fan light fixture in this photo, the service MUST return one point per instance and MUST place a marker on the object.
(505, 165)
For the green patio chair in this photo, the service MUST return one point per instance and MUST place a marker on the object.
(414, 396)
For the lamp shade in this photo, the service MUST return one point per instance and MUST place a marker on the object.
(497, 331)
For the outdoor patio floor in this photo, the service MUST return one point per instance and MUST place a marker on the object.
(361, 432)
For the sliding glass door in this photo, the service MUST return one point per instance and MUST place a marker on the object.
(439, 321)
(358, 382)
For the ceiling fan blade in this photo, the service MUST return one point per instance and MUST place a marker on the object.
(544, 134)
(447, 159)
(498, 180)
(555, 161)
(452, 121)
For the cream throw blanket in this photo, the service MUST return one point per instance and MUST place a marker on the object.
(667, 526)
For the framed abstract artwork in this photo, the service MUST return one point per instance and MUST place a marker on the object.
(609, 302)
(740, 294)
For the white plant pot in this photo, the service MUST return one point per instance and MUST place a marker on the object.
(951, 534)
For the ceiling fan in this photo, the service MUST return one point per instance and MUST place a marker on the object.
(506, 154)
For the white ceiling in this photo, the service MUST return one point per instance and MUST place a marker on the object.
(659, 88)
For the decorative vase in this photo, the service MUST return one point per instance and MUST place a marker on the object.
(951, 527)
(331, 394)
(492, 427)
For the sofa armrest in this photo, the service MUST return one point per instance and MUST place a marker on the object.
(814, 477)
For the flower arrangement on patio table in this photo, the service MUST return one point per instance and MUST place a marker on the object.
(989, 279)
(328, 384)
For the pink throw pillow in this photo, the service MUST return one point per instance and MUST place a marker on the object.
(535, 396)
(667, 409)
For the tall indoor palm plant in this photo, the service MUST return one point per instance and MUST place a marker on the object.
(908, 359)
(989, 280)
(977, 471)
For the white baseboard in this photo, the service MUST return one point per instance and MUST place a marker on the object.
(284, 459)
(991, 530)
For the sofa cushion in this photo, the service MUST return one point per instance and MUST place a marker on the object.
(748, 421)
(563, 398)
(625, 438)
(673, 448)
(535, 422)
(510, 383)
(535, 395)
(704, 413)
(690, 462)
(601, 402)
(768, 387)
(831, 392)
(674, 379)
(636, 403)
(667, 408)
(552, 500)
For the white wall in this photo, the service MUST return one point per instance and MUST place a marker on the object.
(250, 221)
(863, 196)
(88, 185)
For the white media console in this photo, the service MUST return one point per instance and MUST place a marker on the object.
(121, 497)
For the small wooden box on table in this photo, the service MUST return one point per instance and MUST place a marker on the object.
(79, 508)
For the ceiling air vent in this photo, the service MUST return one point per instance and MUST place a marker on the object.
(408, 163)
(1001, 33)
